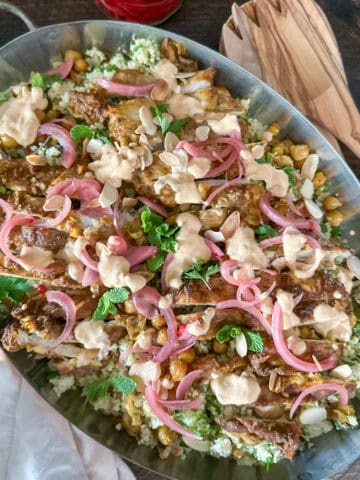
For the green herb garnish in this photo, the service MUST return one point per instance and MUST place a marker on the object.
(44, 80)
(166, 126)
(266, 159)
(12, 290)
(106, 304)
(198, 422)
(335, 232)
(202, 270)
(265, 231)
(81, 131)
(253, 339)
(100, 388)
(290, 173)
(5, 96)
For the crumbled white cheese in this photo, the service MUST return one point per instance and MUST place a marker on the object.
(221, 447)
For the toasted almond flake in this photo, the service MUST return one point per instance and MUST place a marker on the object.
(272, 380)
(202, 133)
(353, 264)
(310, 166)
(147, 121)
(307, 189)
(143, 139)
(168, 116)
(214, 236)
(170, 142)
(317, 363)
(266, 136)
(140, 130)
(185, 74)
(314, 210)
(241, 345)
(54, 203)
(246, 155)
(37, 160)
(258, 151)
(108, 196)
(341, 372)
(160, 91)
(128, 202)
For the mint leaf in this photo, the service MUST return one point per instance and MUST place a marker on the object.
(254, 340)
(44, 80)
(265, 231)
(176, 126)
(324, 227)
(13, 288)
(335, 232)
(158, 233)
(5, 96)
(227, 332)
(106, 304)
(81, 131)
(117, 295)
(202, 270)
(157, 261)
(198, 422)
(124, 385)
(165, 124)
(266, 159)
(289, 172)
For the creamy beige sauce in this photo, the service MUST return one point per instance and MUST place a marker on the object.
(182, 184)
(277, 181)
(144, 373)
(201, 327)
(75, 269)
(286, 302)
(34, 256)
(85, 357)
(231, 389)
(190, 247)
(115, 166)
(114, 271)
(18, 118)
(243, 248)
(92, 335)
(184, 106)
(225, 126)
(332, 323)
(144, 339)
(296, 345)
(165, 70)
(293, 242)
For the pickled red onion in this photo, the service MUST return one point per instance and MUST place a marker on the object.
(7, 208)
(154, 206)
(63, 137)
(216, 252)
(283, 221)
(170, 344)
(137, 255)
(332, 387)
(252, 310)
(153, 400)
(225, 269)
(186, 382)
(85, 189)
(183, 346)
(293, 207)
(285, 353)
(89, 262)
(63, 70)
(60, 217)
(68, 305)
(89, 277)
(217, 191)
(127, 90)
(146, 301)
(181, 404)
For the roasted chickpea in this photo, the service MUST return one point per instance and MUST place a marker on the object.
(278, 150)
(41, 115)
(129, 306)
(7, 141)
(166, 436)
(219, 347)
(80, 65)
(287, 144)
(334, 217)
(74, 54)
(188, 356)
(51, 114)
(283, 161)
(331, 203)
(158, 322)
(319, 179)
(178, 369)
(162, 336)
(299, 152)
(274, 129)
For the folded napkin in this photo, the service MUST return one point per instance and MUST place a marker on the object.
(37, 443)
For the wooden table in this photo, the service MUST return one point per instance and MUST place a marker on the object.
(202, 20)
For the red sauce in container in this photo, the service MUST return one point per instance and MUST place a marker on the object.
(142, 11)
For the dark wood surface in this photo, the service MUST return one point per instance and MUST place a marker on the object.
(200, 20)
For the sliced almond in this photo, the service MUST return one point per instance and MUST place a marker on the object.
(54, 203)
(272, 380)
(108, 196)
(307, 189)
(230, 225)
(202, 133)
(246, 155)
(310, 166)
(266, 137)
(160, 91)
(258, 151)
(314, 209)
(185, 74)
(170, 142)
(241, 345)
(37, 160)
(128, 202)
(147, 121)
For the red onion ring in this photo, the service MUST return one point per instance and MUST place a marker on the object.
(89, 277)
(332, 387)
(137, 255)
(181, 404)
(68, 305)
(60, 217)
(64, 139)
(146, 301)
(8, 210)
(154, 206)
(63, 70)
(168, 348)
(216, 252)
(186, 382)
(124, 89)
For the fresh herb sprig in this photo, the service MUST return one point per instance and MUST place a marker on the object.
(265, 231)
(107, 301)
(253, 339)
(44, 80)
(265, 159)
(100, 388)
(81, 131)
(12, 290)
(166, 126)
(202, 270)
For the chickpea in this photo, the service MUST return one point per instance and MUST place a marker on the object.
(80, 65)
(52, 114)
(299, 152)
(7, 141)
(319, 179)
(283, 161)
(274, 129)
(334, 217)
(158, 322)
(162, 336)
(41, 115)
(273, 142)
(278, 150)
(287, 144)
(178, 369)
(166, 436)
(253, 220)
(74, 54)
(129, 306)
(219, 347)
(188, 356)
(331, 203)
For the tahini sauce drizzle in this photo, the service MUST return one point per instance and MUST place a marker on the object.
(18, 118)
(225, 126)
(231, 389)
(184, 106)
(243, 248)
(35, 256)
(190, 247)
(332, 322)
(92, 335)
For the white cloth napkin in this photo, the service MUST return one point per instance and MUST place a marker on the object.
(37, 443)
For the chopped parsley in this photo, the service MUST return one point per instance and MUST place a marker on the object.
(253, 339)
(265, 231)
(202, 270)
(106, 304)
(197, 422)
(266, 159)
(290, 173)
(160, 234)
(166, 126)
(100, 388)
(44, 80)
(334, 232)
(81, 131)
(356, 329)
(5, 96)
(12, 290)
